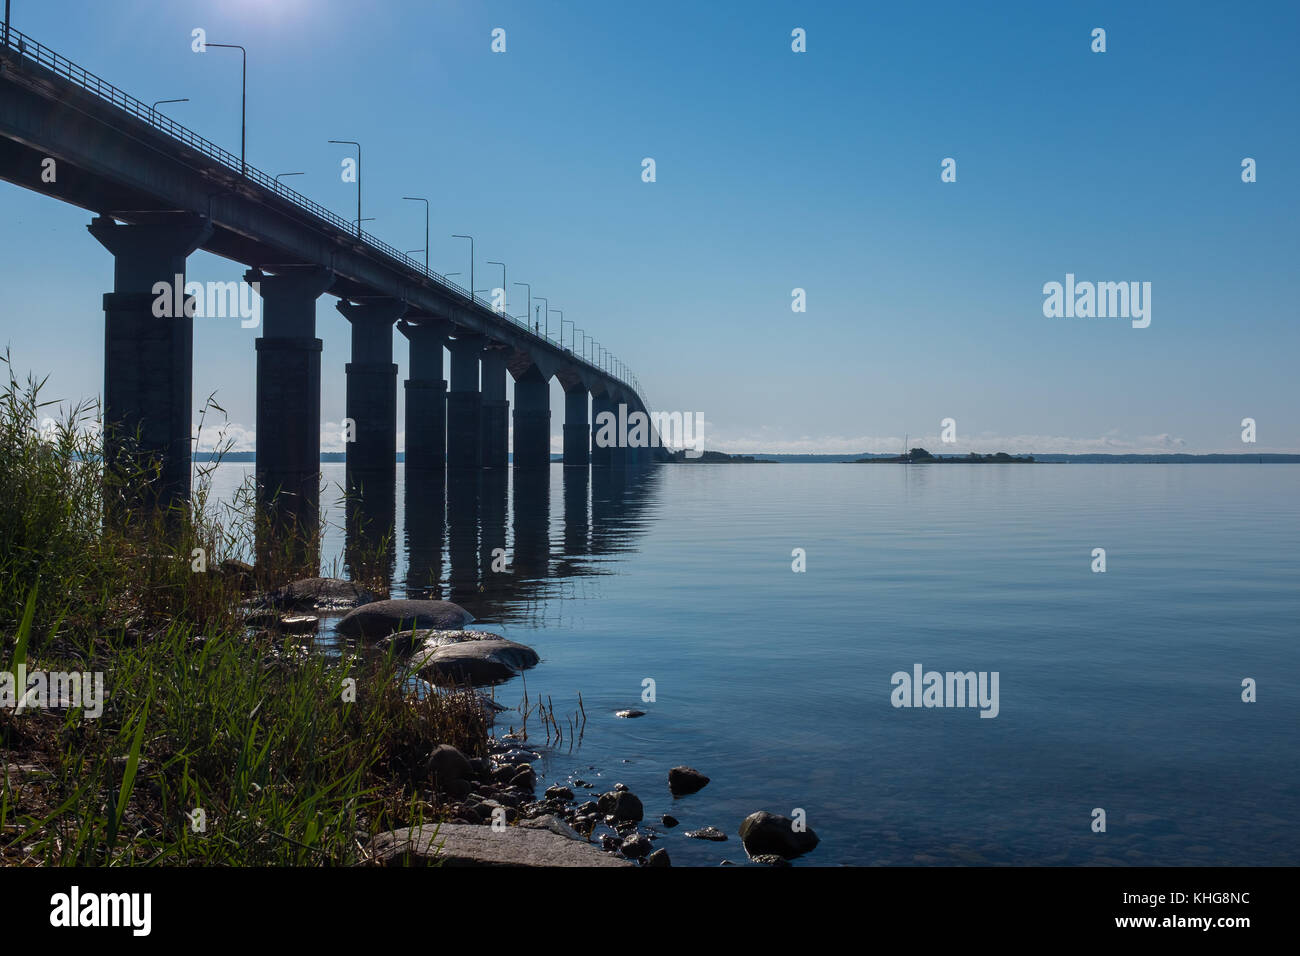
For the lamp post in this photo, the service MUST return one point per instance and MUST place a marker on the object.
(154, 109)
(493, 262)
(528, 286)
(471, 262)
(426, 226)
(278, 177)
(576, 330)
(352, 142)
(562, 321)
(243, 103)
(560, 313)
(548, 308)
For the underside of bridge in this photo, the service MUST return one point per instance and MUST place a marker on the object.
(158, 193)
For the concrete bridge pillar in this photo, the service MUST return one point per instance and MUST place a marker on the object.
(288, 398)
(495, 410)
(426, 398)
(532, 419)
(577, 429)
(636, 453)
(372, 392)
(601, 455)
(464, 414)
(148, 356)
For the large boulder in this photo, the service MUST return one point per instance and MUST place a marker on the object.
(464, 844)
(447, 765)
(476, 658)
(769, 833)
(685, 780)
(622, 805)
(321, 594)
(382, 618)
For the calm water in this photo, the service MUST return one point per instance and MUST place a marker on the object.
(1118, 690)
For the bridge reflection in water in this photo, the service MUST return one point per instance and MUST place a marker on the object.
(501, 544)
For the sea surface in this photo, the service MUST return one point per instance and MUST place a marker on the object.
(1120, 691)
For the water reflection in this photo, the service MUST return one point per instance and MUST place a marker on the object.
(503, 543)
(370, 509)
(424, 504)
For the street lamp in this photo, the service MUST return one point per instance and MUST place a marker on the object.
(426, 226)
(536, 323)
(493, 262)
(352, 142)
(281, 175)
(562, 321)
(560, 313)
(471, 262)
(154, 109)
(530, 296)
(243, 103)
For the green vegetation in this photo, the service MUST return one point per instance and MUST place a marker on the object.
(291, 757)
(921, 456)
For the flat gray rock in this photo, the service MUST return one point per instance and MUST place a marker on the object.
(382, 618)
(471, 657)
(321, 594)
(464, 844)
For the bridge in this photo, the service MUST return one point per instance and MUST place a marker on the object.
(159, 192)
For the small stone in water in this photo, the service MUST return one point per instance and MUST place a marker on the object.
(629, 713)
(707, 833)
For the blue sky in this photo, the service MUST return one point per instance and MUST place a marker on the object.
(775, 170)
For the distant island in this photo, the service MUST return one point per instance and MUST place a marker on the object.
(920, 455)
(712, 458)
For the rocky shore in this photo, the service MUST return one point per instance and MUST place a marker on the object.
(492, 811)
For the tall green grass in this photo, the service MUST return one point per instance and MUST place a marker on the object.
(217, 745)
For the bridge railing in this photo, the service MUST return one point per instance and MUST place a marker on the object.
(30, 49)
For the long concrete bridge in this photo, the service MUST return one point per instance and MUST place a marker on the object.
(159, 192)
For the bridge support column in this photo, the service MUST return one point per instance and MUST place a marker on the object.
(372, 392)
(288, 404)
(495, 410)
(426, 398)
(149, 359)
(636, 453)
(464, 438)
(620, 455)
(577, 429)
(532, 419)
(601, 454)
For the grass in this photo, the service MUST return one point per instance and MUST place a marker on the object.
(217, 744)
